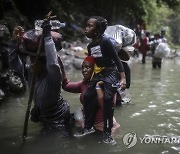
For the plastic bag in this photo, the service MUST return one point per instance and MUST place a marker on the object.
(31, 38)
(55, 24)
(15, 84)
(79, 117)
(162, 50)
(125, 95)
(121, 35)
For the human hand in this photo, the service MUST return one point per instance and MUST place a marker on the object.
(99, 83)
(122, 80)
(46, 26)
(17, 32)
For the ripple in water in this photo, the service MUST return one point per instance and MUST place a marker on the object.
(164, 152)
(143, 110)
(152, 106)
(176, 118)
(176, 148)
(135, 114)
(171, 110)
(166, 125)
(169, 103)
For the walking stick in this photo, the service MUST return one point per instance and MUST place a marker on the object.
(32, 89)
(33, 83)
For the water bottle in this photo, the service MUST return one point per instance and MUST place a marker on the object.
(56, 24)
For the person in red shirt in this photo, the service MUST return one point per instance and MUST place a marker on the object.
(144, 46)
(81, 87)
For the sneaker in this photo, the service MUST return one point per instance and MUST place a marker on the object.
(84, 132)
(107, 138)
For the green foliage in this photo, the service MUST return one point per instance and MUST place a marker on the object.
(174, 26)
(173, 4)
(158, 18)
(162, 17)
(156, 13)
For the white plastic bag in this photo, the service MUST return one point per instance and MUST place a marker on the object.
(121, 35)
(162, 50)
(79, 117)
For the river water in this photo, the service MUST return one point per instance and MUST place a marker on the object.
(152, 114)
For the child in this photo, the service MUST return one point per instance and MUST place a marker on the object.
(109, 70)
(81, 87)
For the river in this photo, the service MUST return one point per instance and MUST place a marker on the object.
(150, 123)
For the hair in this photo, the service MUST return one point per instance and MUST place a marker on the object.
(101, 24)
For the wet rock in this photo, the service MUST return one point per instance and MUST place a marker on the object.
(72, 56)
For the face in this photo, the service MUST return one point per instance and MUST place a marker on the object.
(91, 28)
(87, 70)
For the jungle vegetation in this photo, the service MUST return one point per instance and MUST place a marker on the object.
(157, 14)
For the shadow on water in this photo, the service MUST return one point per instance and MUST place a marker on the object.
(153, 110)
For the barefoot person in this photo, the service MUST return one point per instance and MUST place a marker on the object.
(81, 87)
(109, 69)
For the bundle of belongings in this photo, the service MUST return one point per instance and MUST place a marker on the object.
(123, 38)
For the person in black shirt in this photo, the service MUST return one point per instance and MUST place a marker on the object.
(108, 69)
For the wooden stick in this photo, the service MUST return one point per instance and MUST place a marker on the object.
(33, 81)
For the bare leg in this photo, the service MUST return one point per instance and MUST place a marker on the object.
(100, 95)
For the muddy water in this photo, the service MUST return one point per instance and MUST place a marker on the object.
(152, 114)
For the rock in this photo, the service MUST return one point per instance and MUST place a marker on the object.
(77, 63)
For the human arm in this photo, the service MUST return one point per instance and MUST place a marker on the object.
(73, 87)
(100, 93)
(17, 33)
(64, 77)
(15, 55)
(99, 90)
(52, 65)
(109, 47)
(50, 52)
